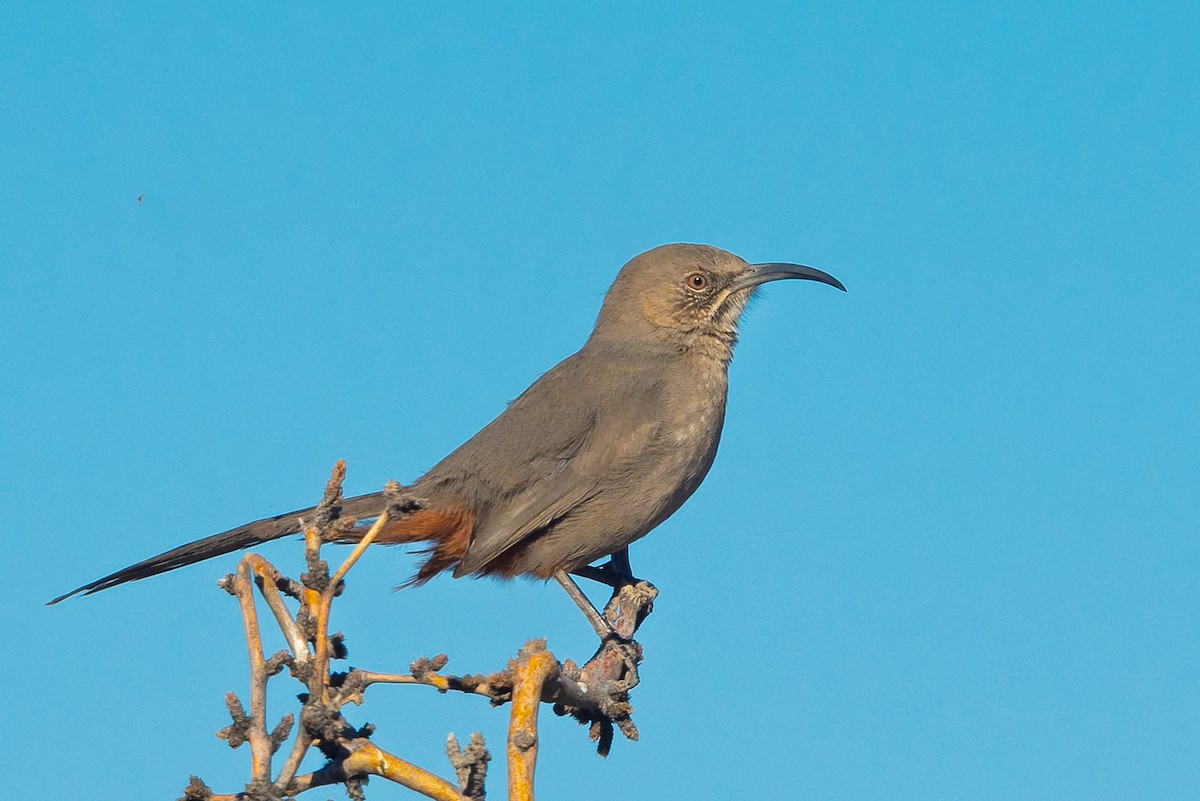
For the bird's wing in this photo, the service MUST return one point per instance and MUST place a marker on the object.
(556, 494)
(528, 515)
(553, 449)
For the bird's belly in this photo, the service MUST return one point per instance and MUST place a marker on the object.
(625, 510)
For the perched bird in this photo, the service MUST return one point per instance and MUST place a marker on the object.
(594, 455)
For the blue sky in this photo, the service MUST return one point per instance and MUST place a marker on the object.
(949, 546)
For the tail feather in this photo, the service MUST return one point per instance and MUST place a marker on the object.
(245, 536)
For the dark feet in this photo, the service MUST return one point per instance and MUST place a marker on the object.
(615, 573)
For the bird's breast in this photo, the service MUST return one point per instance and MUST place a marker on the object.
(696, 410)
(695, 417)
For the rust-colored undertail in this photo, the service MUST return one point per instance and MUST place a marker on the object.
(447, 530)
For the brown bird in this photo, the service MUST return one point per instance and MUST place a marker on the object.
(599, 451)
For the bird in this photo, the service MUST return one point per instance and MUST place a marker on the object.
(594, 455)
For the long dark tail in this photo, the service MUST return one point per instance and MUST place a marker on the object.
(269, 528)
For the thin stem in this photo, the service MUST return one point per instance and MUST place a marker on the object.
(260, 744)
(287, 773)
(436, 680)
(367, 539)
(325, 601)
(270, 592)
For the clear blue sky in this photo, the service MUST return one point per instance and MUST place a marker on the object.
(950, 546)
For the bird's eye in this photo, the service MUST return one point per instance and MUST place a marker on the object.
(696, 281)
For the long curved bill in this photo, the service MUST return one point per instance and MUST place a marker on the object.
(778, 271)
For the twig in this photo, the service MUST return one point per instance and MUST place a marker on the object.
(367, 539)
(268, 585)
(325, 601)
(260, 745)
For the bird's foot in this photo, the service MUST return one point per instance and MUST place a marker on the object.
(615, 573)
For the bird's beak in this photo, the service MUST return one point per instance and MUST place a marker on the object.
(777, 271)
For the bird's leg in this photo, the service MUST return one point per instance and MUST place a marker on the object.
(619, 564)
(616, 572)
(602, 627)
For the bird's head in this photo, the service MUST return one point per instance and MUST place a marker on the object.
(688, 296)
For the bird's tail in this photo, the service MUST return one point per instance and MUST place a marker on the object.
(270, 528)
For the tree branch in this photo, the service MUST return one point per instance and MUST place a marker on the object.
(596, 694)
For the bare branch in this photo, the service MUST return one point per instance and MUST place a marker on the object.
(596, 694)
